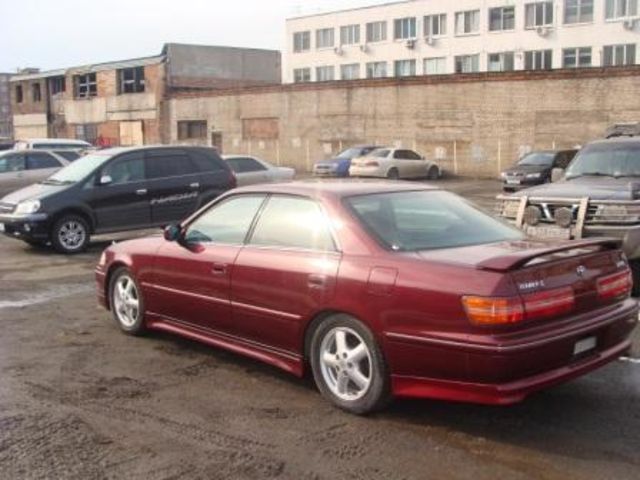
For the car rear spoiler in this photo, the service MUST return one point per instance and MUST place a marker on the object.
(521, 258)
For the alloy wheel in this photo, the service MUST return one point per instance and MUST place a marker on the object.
(72, 235)
(126, 301)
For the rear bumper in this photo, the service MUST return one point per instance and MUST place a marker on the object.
(26, 227)
(504, 369)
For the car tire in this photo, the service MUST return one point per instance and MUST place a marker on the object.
(634, 265)
(70, 234)
(126, 302)
(432, 173)
(348, 366)
(393, 174)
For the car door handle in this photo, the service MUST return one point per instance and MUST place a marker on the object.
(195, 185)
(317, 281)
(219, 268)
(142, 191)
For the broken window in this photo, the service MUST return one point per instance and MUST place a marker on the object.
(86, 85)
(57, 85)
(87, 132)
(19, 96)
(36, 92)
(192, 129)
(131, 80)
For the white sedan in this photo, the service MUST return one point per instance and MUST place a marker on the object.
(250, 170)
(394, 163)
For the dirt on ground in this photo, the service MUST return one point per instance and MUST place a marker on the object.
(80, 400)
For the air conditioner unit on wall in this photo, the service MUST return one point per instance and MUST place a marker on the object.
(411, 43)
(543, 31)
(338, 50)
(629, 24)
(430, 40)
(364, 48)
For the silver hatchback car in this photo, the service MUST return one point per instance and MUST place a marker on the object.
(19, 168)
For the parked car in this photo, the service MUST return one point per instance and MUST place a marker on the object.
(115, 190)
(19, 168)
(599, 196)
(394, 163)
(6, 145)
(52, 144)
(535, 168)
(339, 165)
(384, 289)
(250, 170)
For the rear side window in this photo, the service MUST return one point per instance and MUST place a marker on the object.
(126, 168)
(227, 222)
(169, 163)
(245, 164)
(12, 163)
(69, 155)
(40, 160)
(293, 222)
(380, 153)
(207, 161)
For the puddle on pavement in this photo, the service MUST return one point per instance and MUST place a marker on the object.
(36, 298)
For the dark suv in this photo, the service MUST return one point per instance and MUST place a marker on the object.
(114, 190)
(535, 168)
(599, 196)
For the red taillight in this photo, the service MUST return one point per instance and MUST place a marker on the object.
(550, 303)
(613, 286)
(371, 164)
(509, 310)
(493, 311)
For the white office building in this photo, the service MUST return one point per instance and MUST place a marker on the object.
(431, 37)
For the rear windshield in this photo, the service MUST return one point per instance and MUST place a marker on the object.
(78, 170)
(427, 220)
(537, 159)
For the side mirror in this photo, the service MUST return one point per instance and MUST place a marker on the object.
(172, 232)
(106, 180)
(557, 174)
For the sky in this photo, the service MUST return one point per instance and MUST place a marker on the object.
(50, 34)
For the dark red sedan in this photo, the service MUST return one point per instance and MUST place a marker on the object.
(381, 289)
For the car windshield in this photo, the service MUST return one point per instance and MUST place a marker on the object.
(78, 170)
(353, 152)
(537, 159)
(607, 159)
(428, 220)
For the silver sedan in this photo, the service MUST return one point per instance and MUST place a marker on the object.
(251, 170)
(20, 168)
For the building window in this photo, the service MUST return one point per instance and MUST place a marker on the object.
(467, 22)
(404, 28)
(131, 80)
(467, 63)
(576, 57)
(57, 85)
(325, 38)
(376, 69)
(435, 66)
(36, 92)
(87, 132)
(301, 75)
(350, 71)
(502, 18)
(192, 130)
(617, 55)
(301, 41)
(615, 9)
(578, 11)
(405, 68)
(325, 74)
(435, 25)
(500, 62)
(538, 14)
(19, 95)
(349, 34)
(86, 85)
(376, 31)
(538, 60)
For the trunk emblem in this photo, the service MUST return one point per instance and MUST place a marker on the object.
(581, 270)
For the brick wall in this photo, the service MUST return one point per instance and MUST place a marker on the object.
(472, 124)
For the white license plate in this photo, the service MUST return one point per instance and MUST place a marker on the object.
(1, 227)
(513, 182)
(585, 345)
(548, 232)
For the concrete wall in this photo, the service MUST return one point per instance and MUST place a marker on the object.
(472, 124)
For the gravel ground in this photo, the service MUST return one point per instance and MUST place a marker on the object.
(80, 400)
